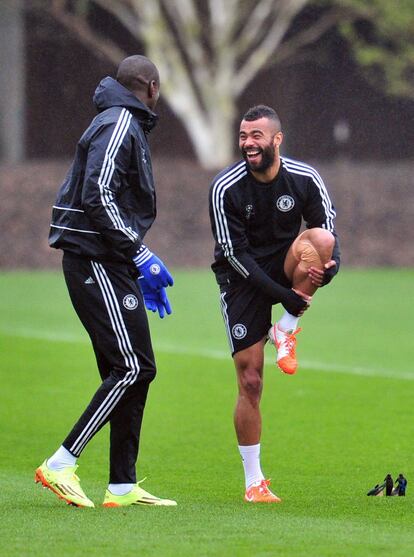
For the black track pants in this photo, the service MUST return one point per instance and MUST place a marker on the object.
(110, 305)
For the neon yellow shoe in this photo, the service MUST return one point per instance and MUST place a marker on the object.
(64, 483)
(137, 496)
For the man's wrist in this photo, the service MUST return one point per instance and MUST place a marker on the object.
(142, 256)
(329, 274)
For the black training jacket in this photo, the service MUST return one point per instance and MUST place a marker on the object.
(106, 203)
(252, 221)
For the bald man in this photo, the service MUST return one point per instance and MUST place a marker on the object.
(256, 209)
(103, 210)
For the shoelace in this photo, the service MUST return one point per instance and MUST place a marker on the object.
(264, 487)
(145, 493)
(290, 340)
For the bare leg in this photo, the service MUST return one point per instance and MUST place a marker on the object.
(248, 422)
(247, 417)
(304, 266)
(312, 248)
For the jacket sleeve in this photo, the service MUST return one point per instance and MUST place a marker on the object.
(107, 165)
(229, 232)
(320, 213)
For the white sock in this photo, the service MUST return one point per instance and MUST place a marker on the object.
(120, 489)
(62, 458)
(251, 463)
(288, 322)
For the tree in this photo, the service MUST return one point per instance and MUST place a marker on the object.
(382, 40)
(209, 51)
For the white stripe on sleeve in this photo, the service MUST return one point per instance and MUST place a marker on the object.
(303, 169)
(107, 170)
(223, 234)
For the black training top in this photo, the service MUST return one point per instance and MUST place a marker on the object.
(252, 221)
(106, 203)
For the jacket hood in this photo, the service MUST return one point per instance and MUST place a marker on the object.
(110, 93)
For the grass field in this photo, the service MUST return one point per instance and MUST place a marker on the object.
(330, 432)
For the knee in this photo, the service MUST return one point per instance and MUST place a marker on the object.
(251, 384)
(322, 240)
(147, 374)
(137, 375)
(313, 248)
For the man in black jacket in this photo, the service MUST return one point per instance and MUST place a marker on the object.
(104, 207)
(256, 209)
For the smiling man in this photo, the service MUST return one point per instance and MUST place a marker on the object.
(257, 207)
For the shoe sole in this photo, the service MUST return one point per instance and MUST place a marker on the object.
(286, 372)
(267, 502)
(39, 478)
(145, 504)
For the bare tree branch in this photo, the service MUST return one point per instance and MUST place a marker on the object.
(90, 38)
(163, 49)
(311, 34)
(204, 65)
(224, 16)
(263, 52)
(124, 12)
(186, 18)
(253, 26)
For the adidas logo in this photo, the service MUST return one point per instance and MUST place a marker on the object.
(89, 281)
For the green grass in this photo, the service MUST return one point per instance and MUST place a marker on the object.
(329, 434)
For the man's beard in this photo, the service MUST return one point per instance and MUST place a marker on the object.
(268, 158)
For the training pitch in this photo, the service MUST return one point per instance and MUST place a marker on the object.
(330, 433)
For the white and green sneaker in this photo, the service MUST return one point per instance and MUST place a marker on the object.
(137, 496)
(64, 483)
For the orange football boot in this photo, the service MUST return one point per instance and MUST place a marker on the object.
(285, 343)
(260, 493)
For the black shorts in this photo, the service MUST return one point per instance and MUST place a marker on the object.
(246, 311)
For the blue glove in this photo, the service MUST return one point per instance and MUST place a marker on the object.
(155, 300)
(152, 269)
